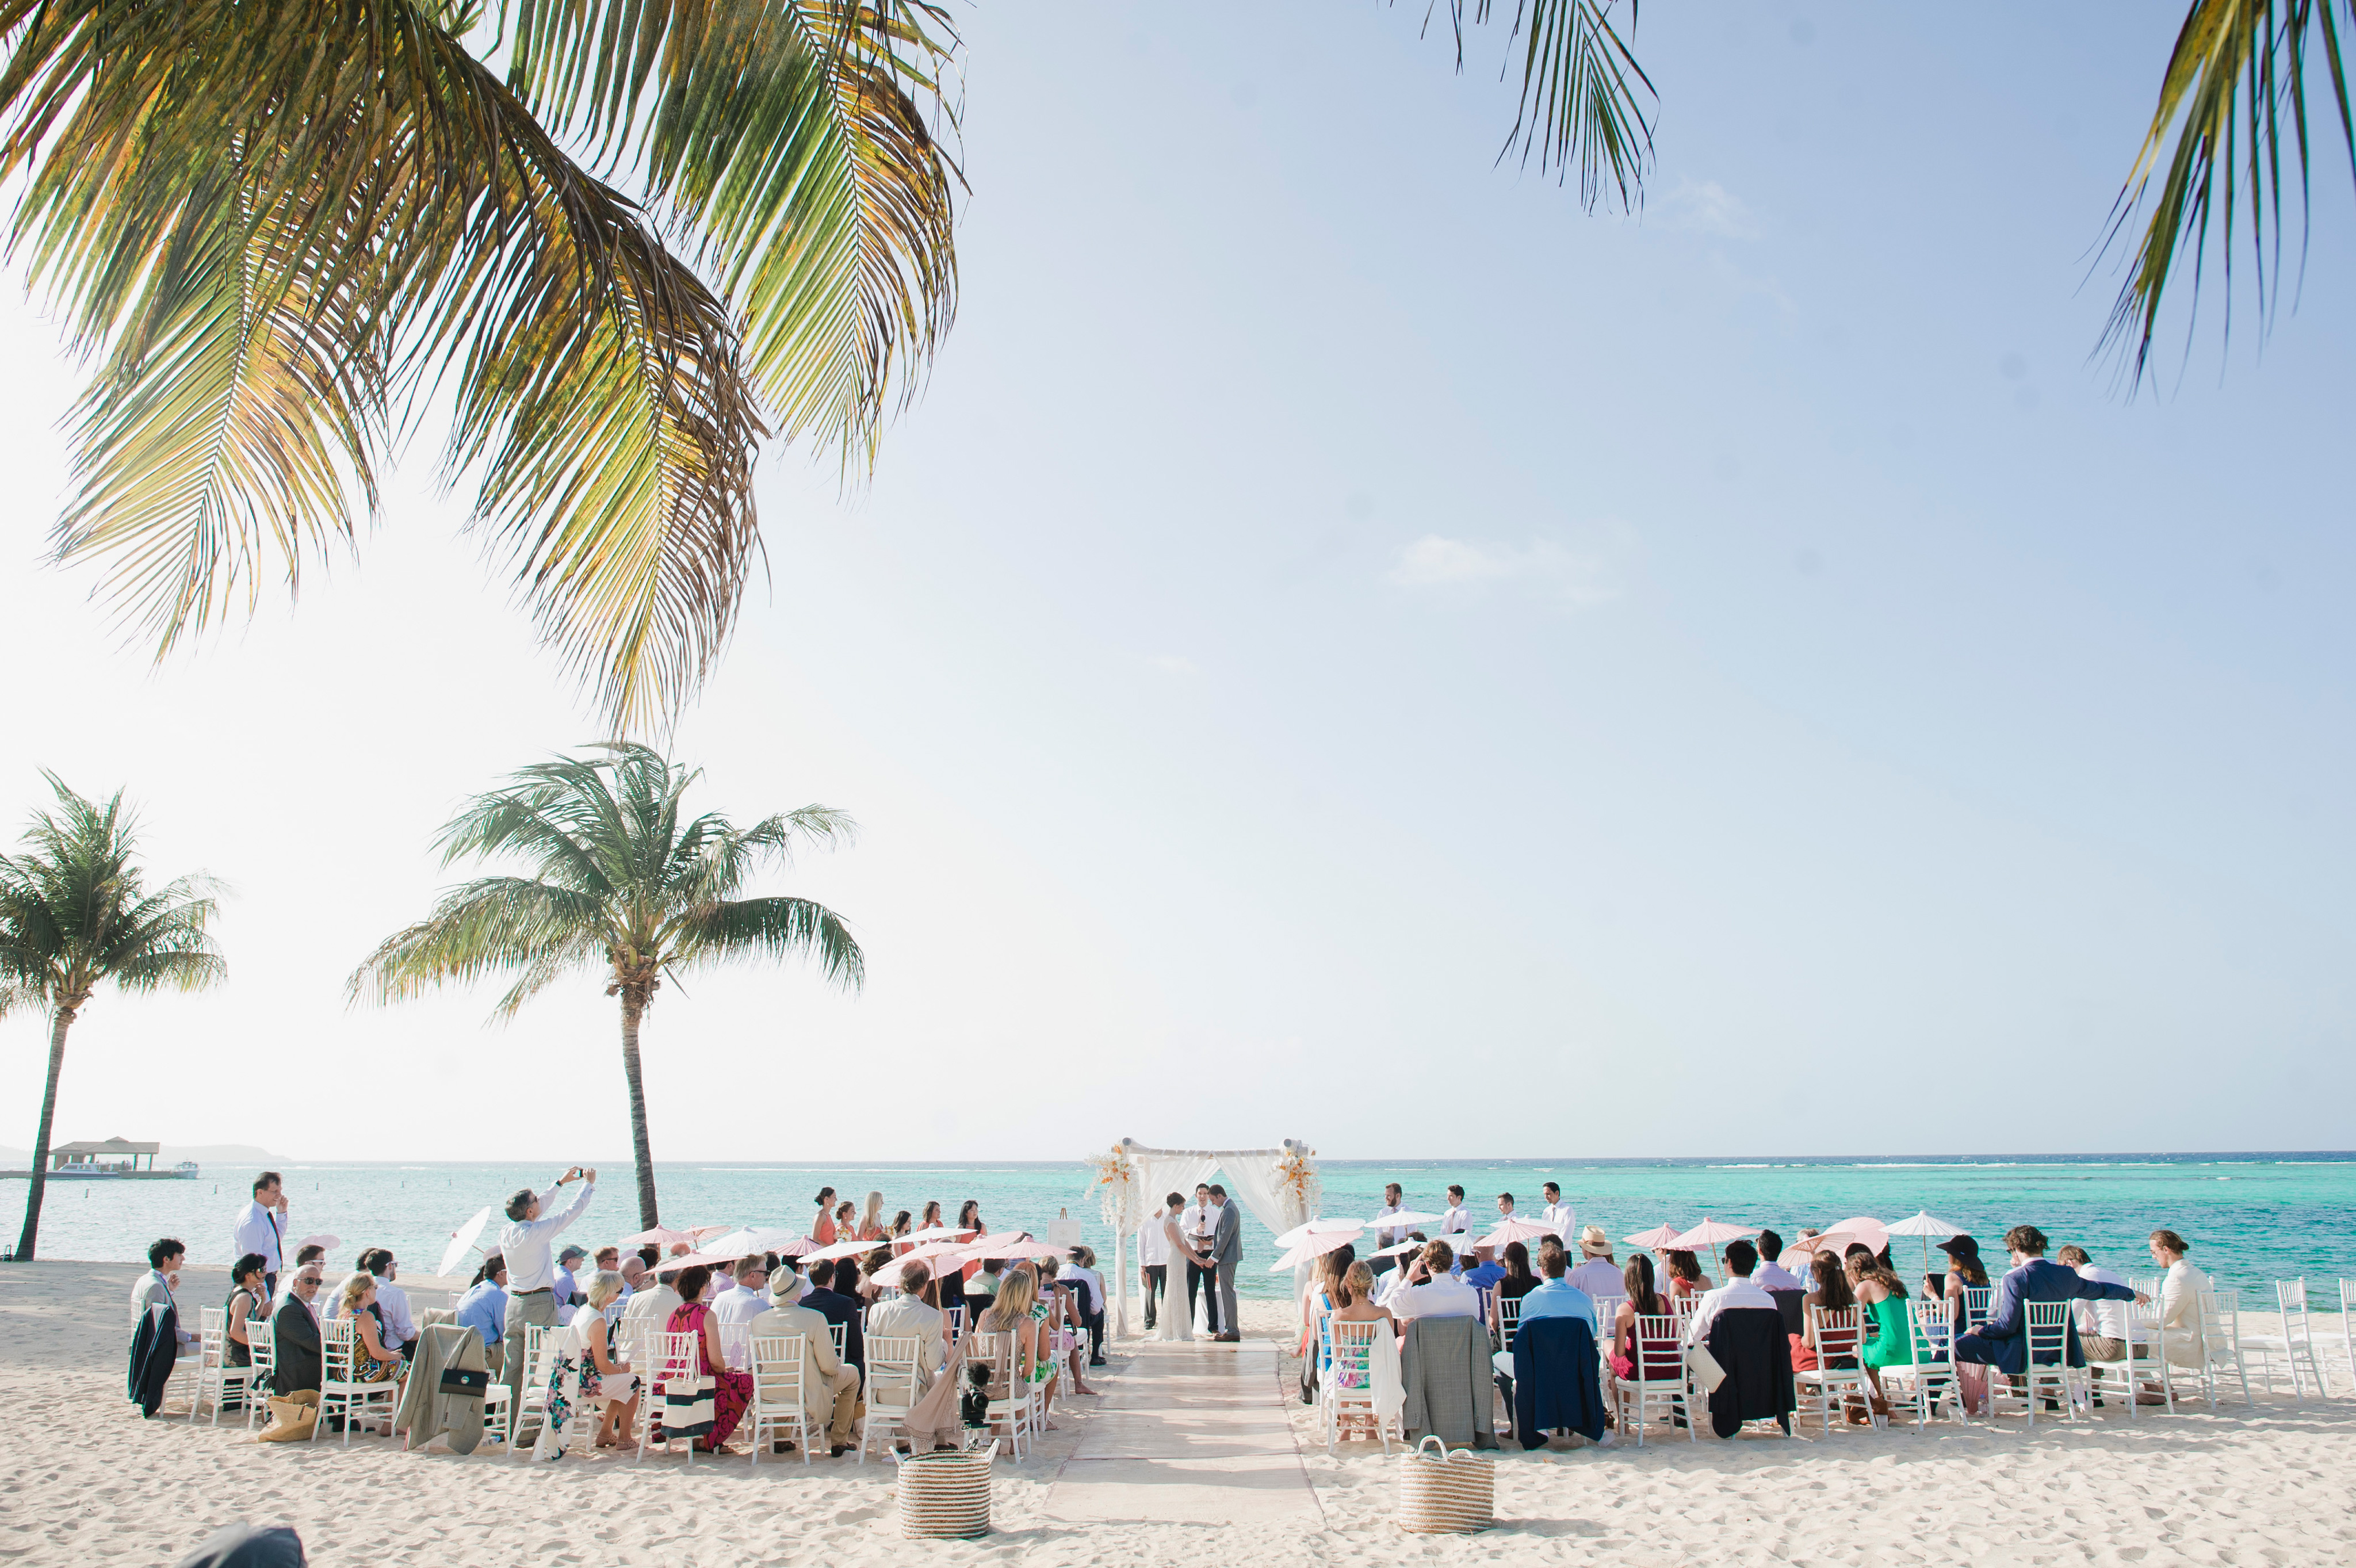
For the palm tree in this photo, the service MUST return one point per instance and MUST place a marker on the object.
(619, 883)
(281, 224)
(74, 912)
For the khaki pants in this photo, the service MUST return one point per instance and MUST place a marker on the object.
(292, 1417)
(847, 1407)
(524, 1311)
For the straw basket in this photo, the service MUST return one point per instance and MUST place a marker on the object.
(1442, 1492)
(945, 1494)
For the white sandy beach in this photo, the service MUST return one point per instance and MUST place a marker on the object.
(84, 1479)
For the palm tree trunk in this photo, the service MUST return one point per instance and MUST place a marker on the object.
(40, 1182)
(633, 1008)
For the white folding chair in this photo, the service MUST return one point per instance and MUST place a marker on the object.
(778, 1368)
(893, 1368)
(837, 1332)
(1509, 1318)
(262, 1345)
(669, 1357)
(2046, 1332)
(2348, 1329)
(1657, 1348)
(2295, 1344)
(2221, 1343)
(1927, 1378)
(1014, 1409)
(214, 1374)
(339, 1347)
(1353, 1361)
(1978, 1300)
(2141, 1365)
(956, 1314)
(530, 1409)
(1839, 1334)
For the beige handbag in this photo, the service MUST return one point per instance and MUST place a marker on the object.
(945, 1494)
(1443, 1493)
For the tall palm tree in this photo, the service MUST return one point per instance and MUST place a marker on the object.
(618, 883)
(661, 228)
(75, 913)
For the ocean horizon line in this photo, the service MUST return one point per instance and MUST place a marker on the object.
(1893, 1160)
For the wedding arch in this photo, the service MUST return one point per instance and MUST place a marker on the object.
(1279, 1185)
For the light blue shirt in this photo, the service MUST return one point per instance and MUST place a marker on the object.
(1558, 1298)
(484, 1310)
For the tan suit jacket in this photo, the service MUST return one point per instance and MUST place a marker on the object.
(818, 1352)
(906, 1317)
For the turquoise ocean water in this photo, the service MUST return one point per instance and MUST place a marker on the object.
(2252, 1218)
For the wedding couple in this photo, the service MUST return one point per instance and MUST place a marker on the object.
(1208, 1235)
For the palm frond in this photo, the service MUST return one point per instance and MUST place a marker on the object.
(770, 929)
(492, 924)
(253, 203)
(1583, 96)
(794, 138)
(2236, 74)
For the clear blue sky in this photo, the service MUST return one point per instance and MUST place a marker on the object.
(1349, 647)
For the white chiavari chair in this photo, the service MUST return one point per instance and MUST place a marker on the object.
(2294, 1345)
(339, 1350)
(1840, 1336)
(1657, 1378)
(779, 1365)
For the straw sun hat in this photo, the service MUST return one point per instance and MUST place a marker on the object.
(1594, 1243)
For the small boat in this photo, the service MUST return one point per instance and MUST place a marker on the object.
(83, 1172)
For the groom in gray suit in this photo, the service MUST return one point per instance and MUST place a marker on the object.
(1227, 1252)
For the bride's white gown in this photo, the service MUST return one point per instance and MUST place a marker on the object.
(1174, 1324)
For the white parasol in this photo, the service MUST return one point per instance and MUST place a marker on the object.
(1295, 1236)
(1928, 1229)
(463, 1241)
(1315, 1244)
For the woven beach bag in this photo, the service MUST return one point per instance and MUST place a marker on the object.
(1443, 1493)
(945, 1494)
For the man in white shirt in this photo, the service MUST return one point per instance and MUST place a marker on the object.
(1596, 1273)
(906, 1316)
(2104, 1327)
(634, 1275)
(1153, 1264)
(526, 1242)
(1772, 1275)
(1739, 1290)
(1559, 1214)
(392, 1301)
(1082, 1270)
(1455, 1220)
(1389, 1235)
(262, 1228)
(1427, 1289)
(748, 1297)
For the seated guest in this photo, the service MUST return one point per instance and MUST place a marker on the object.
(1554, 1295)
(982, 1286)
(1596, 1273)
(248, 1299)
(313, 1254)
(634, 1275)
(373, 1361)
(2180, 1299)
(1010, 1314)
(731, 1391)
(1082, 1269)
(1662, 1358)
(1772, 1276)
(909, 1316)
(1480, 1270)
(2104, 1327)
(1882, 1295)
(656, 1300)
(829, 1387)
(1354, 1293)
(391, 1302)
(747, 1295)
(484, 1310)
(827, 1298)
(566, 1291)
(155, 1287)
(1739, 1291)
(1515, 1281)
(586, 1364)
(609, 1260)
(1830, 1294)
(1686, 1278)
(295, 1371)
(1427, 1289)
(2002, 1341)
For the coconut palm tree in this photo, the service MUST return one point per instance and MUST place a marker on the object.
(75, 913)
(619, 883)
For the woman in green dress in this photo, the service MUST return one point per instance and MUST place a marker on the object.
(1882, 1295)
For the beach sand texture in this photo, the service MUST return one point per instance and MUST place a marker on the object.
(84, 1480)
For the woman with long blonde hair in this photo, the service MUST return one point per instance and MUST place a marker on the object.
(871, 1224)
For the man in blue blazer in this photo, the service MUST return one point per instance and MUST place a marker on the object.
(2002, 1341)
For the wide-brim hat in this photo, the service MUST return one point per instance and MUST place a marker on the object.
(1961, 1246)
(1594, 1243)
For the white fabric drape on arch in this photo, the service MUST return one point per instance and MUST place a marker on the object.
(1157, 1173)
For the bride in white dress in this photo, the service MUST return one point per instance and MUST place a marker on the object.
(1174, 1324)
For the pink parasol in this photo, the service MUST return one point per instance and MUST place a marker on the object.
(934, 1233)
(1010, 1249)
(1867, 1230)
(1396, 1248)
(1710, 1235)
(853, 1249)
(1835, 1241)
(712, 1260)
(659, 1236)
(1315, 1244)
(1658, 1237)
(1514, 1228)
(1295, 1236)
(941, 1256)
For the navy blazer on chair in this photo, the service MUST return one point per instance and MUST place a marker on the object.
(1555, 1381)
